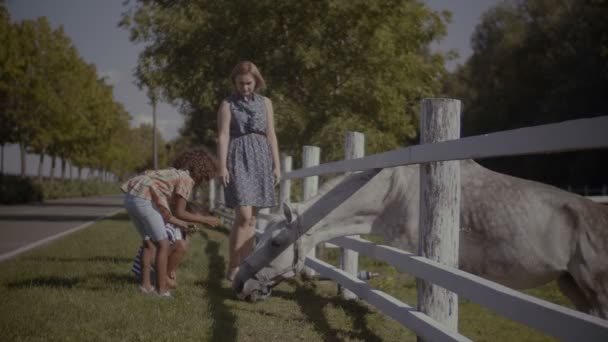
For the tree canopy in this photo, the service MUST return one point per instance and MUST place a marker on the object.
(331, 66)
(53, 102)
(537, 62)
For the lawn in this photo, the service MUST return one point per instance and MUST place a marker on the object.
(79, 289)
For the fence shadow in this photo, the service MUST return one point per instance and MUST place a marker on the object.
(312, 305)
(224, 327)
(100, 258)
(52, 282)
(76, 204)
(122, 216)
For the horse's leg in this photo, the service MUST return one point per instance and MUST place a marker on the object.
(592, 286)
(587, 264)
(567, 285)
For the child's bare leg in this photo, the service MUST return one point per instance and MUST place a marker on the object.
(162, 254)
(146, 263)
(180, 248)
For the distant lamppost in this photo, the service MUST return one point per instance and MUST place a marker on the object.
(168, 150)
(154, 148)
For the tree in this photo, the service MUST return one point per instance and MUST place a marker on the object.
(536, 62)
(8, 73)
(360, 63)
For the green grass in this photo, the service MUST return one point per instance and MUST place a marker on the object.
(79, 289)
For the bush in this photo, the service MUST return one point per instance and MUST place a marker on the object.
(14, 189)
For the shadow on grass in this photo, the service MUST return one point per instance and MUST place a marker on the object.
(220, 229)
(224, 327)
(77, 204)
(101, 258)
(52, 282)
(119, 217)
(312, 305)
(119, 278)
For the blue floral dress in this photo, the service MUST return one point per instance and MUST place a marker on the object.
(249, 159)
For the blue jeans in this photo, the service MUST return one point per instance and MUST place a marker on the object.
(147, 219)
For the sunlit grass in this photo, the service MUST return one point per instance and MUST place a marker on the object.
(79, 289)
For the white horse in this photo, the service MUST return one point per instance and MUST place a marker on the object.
(516, 232)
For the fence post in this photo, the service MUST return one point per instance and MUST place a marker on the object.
(310, 185)
(439, 209)
(285, 187)
(219, 203)
(212, 187)
(354, 147)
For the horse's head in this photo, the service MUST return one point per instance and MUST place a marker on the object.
(282, 249)
(277, 256)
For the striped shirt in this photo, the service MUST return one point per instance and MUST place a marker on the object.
(173, 234)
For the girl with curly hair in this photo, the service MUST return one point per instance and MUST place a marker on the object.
(147, 201)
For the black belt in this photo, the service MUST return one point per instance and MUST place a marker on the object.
(242, 135)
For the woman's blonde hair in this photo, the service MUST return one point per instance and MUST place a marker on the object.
(247, 67)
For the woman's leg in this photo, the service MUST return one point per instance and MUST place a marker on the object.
(250, 240)
(240, 242)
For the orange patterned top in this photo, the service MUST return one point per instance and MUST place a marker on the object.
(159, 186)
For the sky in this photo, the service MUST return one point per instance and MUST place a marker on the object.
(93, 27)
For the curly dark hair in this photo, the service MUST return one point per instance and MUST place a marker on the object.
(201, 164)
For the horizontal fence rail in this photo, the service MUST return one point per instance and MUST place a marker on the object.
(582, 134)
(553, 319)
(418, 322)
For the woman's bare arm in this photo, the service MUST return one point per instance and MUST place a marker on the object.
(223, 138)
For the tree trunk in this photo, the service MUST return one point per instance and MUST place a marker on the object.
(23, 159)
(79, 173)
(52, 175)
(40, 165)
(62, 168)
(154, 147)
(71, 170)
(2, 159)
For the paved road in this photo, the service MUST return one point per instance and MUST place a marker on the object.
(23, 227)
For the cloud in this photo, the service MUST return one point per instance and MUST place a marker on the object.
(112, 76)
(168, 127)
(142, 118)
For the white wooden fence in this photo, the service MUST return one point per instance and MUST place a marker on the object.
(557, 321)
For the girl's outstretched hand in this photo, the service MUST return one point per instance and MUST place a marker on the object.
(190, 229)
(212, 221)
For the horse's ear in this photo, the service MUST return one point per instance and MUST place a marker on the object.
(288, 212)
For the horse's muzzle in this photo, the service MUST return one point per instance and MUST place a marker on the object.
(251, 290)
